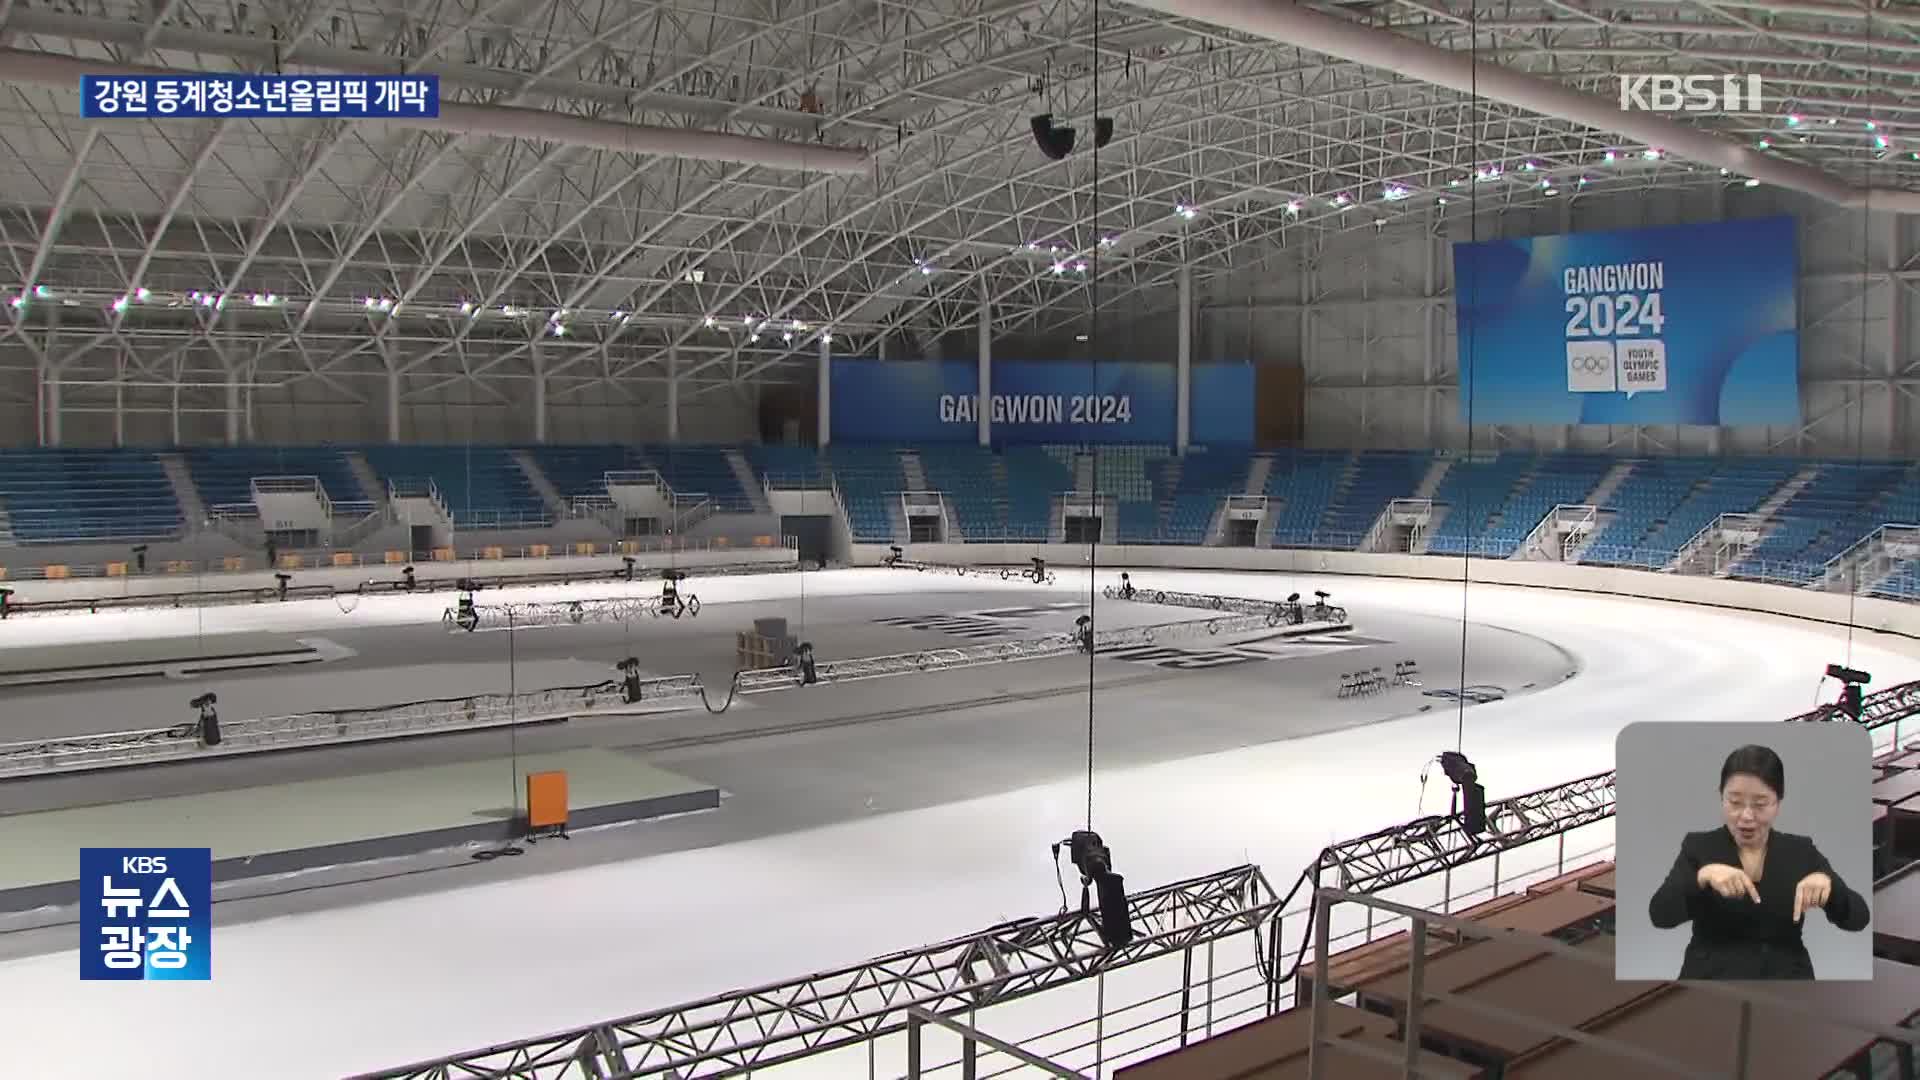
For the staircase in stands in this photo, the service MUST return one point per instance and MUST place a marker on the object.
(193, 510)
(743, 472)
(1169, 483)
(1257, 474)
(1597, 498)
(370, 481)
(1000, 493)
(542, 486)
(6, 527)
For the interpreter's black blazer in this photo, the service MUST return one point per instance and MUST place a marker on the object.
(1737, 938)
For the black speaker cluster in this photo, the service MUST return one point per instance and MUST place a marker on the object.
(1056, 140)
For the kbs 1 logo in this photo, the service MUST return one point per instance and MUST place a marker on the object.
(1692, 93)
(146, 914)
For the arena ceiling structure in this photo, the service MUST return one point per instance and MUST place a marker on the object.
(619, 192)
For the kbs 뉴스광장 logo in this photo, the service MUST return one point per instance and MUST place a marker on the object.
(146, 914)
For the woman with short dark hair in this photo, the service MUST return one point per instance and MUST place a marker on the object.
(1745, 887)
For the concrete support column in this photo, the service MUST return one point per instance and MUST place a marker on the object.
(1897, 297)
(233, 406)
(1183, 377)
(119, 399)
(539, 393)
(825, 434)
(673, 394)
(393, 401)
(50, 396)
(985, 398)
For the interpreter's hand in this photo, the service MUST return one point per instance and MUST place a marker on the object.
(1811, 894)
(1729, 881)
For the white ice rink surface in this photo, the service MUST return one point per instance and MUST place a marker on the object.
(330, 993)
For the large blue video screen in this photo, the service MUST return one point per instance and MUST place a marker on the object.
(1685, 324)
(876, 401)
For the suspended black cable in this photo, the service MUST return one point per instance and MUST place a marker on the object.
(1467, 353)
(1895, 294)
(1093, 336)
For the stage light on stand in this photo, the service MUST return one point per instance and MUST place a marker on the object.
(280, 587)
(1852, 703)
(629, 562)
(1092, 858)
(1470, 797)
(1083, 632)
(5, 602)
(406, 578)
(206, 727)
(140, 558)
(803, 659)
(630, 679)
(465, 615)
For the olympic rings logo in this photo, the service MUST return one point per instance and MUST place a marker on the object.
(1589, 365)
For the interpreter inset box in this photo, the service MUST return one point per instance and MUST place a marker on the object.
(1743, 851)
(1590, 367)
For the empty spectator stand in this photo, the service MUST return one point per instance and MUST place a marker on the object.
(224, 475)
(787, 468)
(1902, 584)
(1204, 480)
(870, 480)
(963, 474)
(581, 471)
(700, 470)
(1735, 486)
(1644, 501)
(1128, 475)
(1303, 482)
(1474, 490)
(1035, 476)
(1378, 478)
(1838, 507)
(1556, 480)
(483, 486)
(62, 495)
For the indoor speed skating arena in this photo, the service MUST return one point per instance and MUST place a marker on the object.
(861, 540)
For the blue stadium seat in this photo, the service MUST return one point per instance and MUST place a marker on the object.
(870, 481)
(484, 487)
(1474, 490)
(61, 495)
(224, 475)
(1035, 476)
(1303, 482)
(577, 471)
(963, 473)
(787, 468)
(700, 470)
(1379, 477)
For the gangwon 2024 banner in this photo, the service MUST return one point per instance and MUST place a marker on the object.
(1686, 324)
(877, 401)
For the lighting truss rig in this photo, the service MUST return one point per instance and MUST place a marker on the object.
(406, 582)
(1877, 710)
(755, 1029)
(467, 615)
(1036, 573)
(1290, 610)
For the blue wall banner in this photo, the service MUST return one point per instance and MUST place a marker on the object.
(1220, 411)
(1687, 324)
(878, 401)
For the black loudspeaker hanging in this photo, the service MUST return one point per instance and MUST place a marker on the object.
(1102, 131)
(1055, 142)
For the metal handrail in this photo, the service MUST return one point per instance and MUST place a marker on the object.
(1320, 1066)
